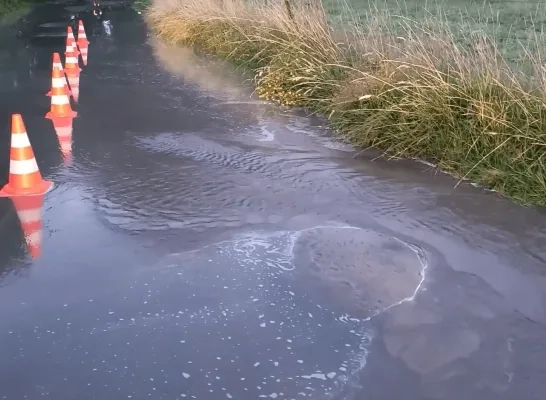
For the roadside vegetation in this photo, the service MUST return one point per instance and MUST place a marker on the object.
(464, 88)
(141, 5)
(11, 10)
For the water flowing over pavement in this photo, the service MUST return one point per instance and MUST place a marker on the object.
(203, 244)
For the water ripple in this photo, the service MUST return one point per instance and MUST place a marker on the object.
(302, 169)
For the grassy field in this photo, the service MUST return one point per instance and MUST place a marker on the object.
(458, 83)
(141, 5)
(510, 22)
(10, 10)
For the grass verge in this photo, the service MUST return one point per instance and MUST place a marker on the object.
(12, 10)
(141, 5)
(410, 88)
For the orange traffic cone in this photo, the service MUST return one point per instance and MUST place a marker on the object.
(24, 175)
(58, 81)
(71, 40)
(63, 129)
(29, 211)
(71, 65)
(83, 43)
(60, 103)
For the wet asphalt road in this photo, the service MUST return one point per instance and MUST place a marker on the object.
(202, 244)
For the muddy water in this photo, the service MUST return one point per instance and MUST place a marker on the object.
(203, 244)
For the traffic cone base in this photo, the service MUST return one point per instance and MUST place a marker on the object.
(41, 188)
(50, 115)
(73, 72)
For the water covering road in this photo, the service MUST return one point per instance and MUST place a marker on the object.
(202, 244)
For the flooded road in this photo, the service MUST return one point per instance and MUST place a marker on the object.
(203, 244)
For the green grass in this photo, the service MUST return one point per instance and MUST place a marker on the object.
(463, 89)
(141, 5)
(511, 22)
(12, 10)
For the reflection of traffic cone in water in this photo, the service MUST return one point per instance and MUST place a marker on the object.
(63, 128)
(83, 43)
(71, 65)
(60, 102)
(58, 79)
(65, 143)
(29, 211)
(75, 85)
(72, 71)
(71, 40)
(24, 175)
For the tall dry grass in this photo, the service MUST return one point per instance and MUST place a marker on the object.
(410, 88)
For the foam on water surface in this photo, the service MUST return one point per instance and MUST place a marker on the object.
(275, 334)
(234, 319)
(254, 324)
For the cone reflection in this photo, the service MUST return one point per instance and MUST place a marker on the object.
(74, 82)
(63, 129)
(29, 211)
(82, 42)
